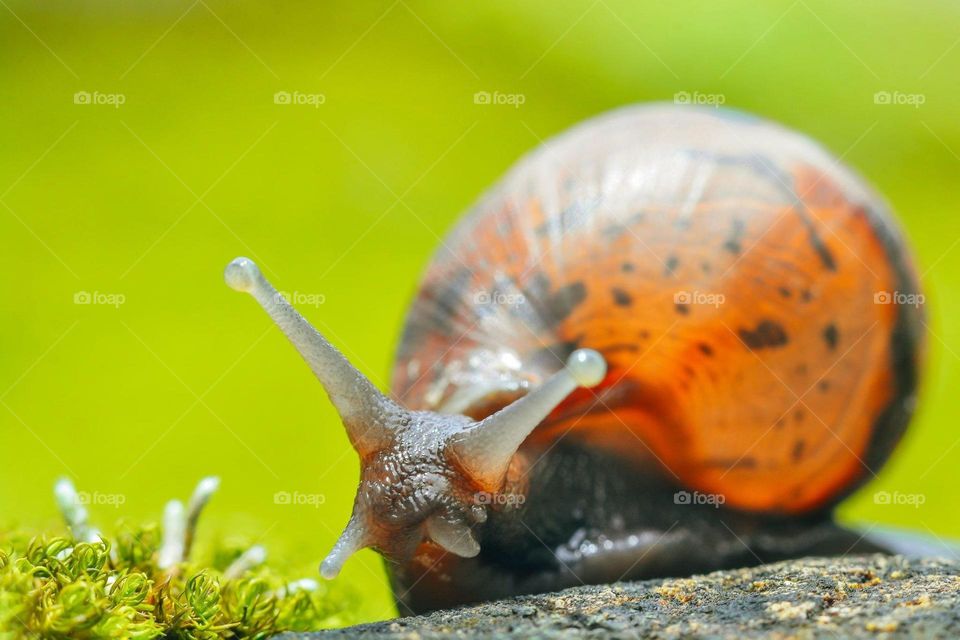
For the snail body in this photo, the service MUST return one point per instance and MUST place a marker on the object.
(668, 341)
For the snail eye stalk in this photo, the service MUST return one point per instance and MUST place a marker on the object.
(365, 411)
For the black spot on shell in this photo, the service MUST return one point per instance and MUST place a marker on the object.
(670, 266)
(732, 243)
(785, 292)
(564, 300)
(767, 334)
(806, 295)
(816, 242)
(614, 231)
(705, 266)
(798, 448)
(798, 415)
(621, 298)
(831, 336)
(705, 349)
(682, 309)
(627, 267)
(824, 385)
(644, 334)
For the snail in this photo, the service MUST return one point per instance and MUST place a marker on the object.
(670, 340)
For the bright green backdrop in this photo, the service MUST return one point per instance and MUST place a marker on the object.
(347, 200)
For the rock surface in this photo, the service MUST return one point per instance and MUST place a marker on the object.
(855, 597)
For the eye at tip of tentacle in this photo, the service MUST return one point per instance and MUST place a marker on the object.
(241, 274)
(587, 367)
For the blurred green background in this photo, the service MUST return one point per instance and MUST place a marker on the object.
(346, 199)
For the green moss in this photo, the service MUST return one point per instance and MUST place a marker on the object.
(88, 585)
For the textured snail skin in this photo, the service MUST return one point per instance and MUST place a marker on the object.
(663, 344)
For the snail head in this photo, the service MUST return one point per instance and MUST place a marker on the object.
(420, 470)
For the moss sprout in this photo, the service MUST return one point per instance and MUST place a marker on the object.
(143, 583)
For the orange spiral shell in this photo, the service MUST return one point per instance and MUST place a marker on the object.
(756, 304)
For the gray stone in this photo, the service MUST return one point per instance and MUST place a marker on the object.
(855, 597)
